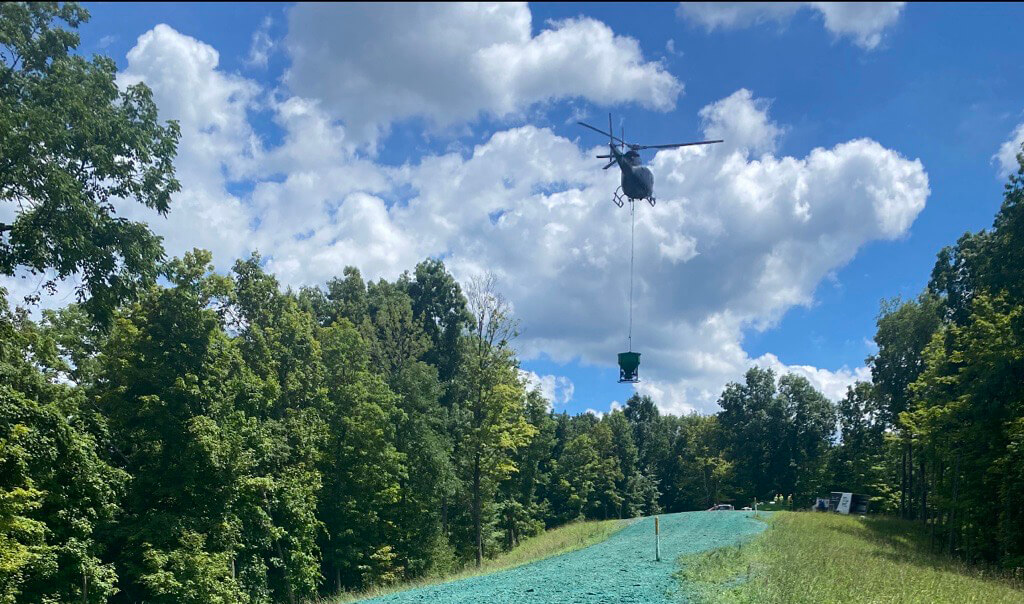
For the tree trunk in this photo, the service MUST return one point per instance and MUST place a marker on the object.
(924, 492)
(478, 512)
(910, 481)
(903, 484)
(287, 583)
(952, 511)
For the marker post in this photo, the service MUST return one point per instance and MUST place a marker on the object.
(657, 541)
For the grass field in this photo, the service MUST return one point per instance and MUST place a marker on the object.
(815, 557)
(557, 541)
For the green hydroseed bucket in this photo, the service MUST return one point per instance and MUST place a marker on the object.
(629, 363)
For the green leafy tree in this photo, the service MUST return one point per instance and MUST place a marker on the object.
(56, 491)
(524, 507)
(644, 494)
(628, 457)
(963, 414)
(278, 343)
(363, 469)
(575, 478)
(700, 475)
(167, 383)
(858, 463)
(752, 422)
(420, 435)
(904, 329)
(439, 305)
(395, 338)
(491, 403)
(607, 499)
(812, 421)
(71, 143)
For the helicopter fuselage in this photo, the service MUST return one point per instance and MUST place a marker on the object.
(637, 179)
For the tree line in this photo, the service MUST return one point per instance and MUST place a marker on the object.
(224, 440)
(938, 434)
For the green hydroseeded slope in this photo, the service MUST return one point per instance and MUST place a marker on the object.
(619, 570)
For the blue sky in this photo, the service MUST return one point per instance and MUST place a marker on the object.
(942, 84)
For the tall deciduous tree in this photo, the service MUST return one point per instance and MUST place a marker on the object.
(363, 471)
(752, 423)
(904, 330)
(56, 491)
(491, 400)
(811, 423)
(71, 143)
(439, 305)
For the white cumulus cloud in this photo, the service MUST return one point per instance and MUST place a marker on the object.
(556, 389)
(1007, 155)
(261, 45)
(864, 22)
(217, 143)
(374, 64)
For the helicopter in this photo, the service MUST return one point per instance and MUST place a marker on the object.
(637, 184)
(637, 179)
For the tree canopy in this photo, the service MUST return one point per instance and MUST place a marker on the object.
(73, 146)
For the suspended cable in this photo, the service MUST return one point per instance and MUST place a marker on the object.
(632, 238)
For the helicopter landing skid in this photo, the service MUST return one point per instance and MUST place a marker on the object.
(620, 199)
(617, 197)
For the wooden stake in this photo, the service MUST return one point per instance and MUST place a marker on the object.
(657, 541)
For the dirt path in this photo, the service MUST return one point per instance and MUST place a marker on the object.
(619, 570)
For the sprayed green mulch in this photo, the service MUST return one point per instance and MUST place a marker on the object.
(621, 569)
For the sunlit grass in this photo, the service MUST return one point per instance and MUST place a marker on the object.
(817, 557)
(561, 540)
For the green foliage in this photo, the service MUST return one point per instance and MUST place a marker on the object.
(904, 329)
(966, 400)
(778, 440)
(438, 303)
(523, 502)
(55, 490)
(71, 143)
(190, 573)
(363, 473)
(858, 463)
(807, 437)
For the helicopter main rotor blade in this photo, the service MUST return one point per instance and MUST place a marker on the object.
(609, 165)
(673, 146)
(602, 132)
